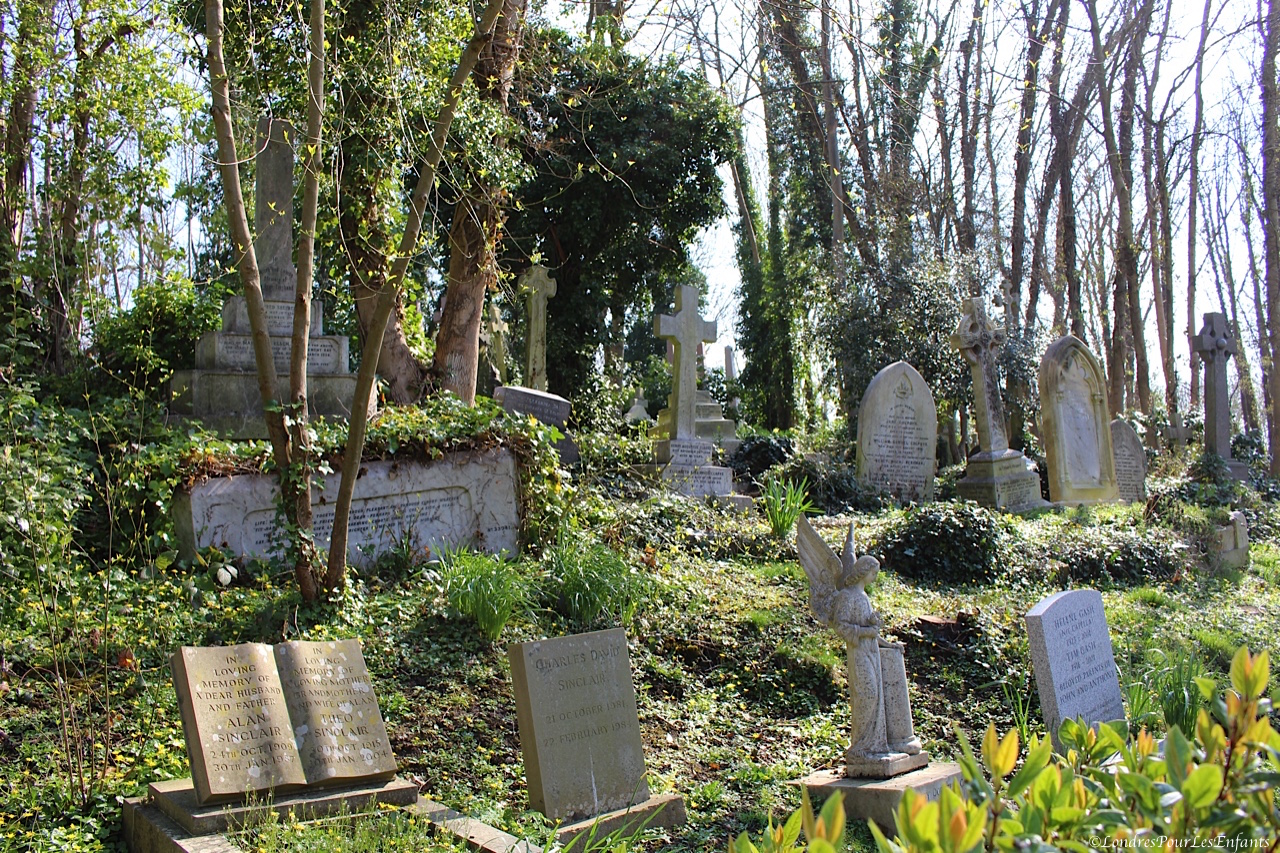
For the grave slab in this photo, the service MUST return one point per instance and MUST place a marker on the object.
(477, 835)
(877, 799)
(662, 811)
(1131, 462)
(1071, 656)
(547, 408)
(229, 403)
(898, 434)
(463, 498)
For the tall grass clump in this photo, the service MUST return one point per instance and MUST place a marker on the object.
(588, 582)
(784, 502)
(486, 589)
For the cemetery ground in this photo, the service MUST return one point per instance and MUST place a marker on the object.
(740, 690)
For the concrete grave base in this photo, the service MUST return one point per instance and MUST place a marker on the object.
(893, 764)
(168, 820)
(664, 810)
(1007, 481)
(877, 799)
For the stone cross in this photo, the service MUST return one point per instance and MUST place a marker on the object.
(686, 330)
(1215, 345)
(273, 208)
(498, 341)
(978, 340)
(540, 287)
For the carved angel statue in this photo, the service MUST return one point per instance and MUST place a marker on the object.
(881, 728)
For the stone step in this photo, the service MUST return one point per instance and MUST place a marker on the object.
(223, 351)
(235, 317)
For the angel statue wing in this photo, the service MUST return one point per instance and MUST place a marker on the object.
(823, 567)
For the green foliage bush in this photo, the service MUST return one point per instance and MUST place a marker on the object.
(758, 453)
(485, 589)
(833, 484)
(587, 582)
(1105, 553)
(945, 542)
(1213, 785)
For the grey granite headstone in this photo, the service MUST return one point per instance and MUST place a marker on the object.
(547, 408)
(1075, 425)
(898, 434)
(1131, 462)
(1071, 656)
(579, 730)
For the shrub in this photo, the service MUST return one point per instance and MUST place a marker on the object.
(833, 485)
(1104, 553)
(485, 589)
(759, 453)
(587, 580)
(950, 542)
(1110, 788)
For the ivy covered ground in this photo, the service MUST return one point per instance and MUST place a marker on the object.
(740, 690)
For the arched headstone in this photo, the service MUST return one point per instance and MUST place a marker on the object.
(898, 434)
(1075, 425)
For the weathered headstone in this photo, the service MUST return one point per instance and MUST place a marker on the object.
(550, 409)
(1215, 345)
(1071, 656)
(222, 391)
(579, 730)
(898, 434)
(1131, 462)
(639, 411)
(1232, 545)
(538, 286)
(1075, 425)
(258, 718)
(996, 476)
(463, 498)
(498, 342)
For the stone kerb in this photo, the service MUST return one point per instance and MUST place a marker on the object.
(464, 498)
(898, 434)
(1071, 656)
(1076, 425)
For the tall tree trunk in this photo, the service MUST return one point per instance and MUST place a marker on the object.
(1192, 193)
(1270, 25)
(834, 178)
(477, 221)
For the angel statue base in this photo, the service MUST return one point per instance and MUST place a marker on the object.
(882, 741)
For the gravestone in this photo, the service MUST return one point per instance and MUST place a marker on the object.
(639, 411)
(1131, 462)
(898, 434)
(498, 342)
(996, 476)
(579, 730)
(1071, 657)
(463, 498)
(1075, 425)
(538, 286)
(1215, 346)
(222, 391)
(1232, 545)
(550, 409)
(693, 420)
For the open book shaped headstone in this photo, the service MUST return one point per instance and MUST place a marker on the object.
(260, 718)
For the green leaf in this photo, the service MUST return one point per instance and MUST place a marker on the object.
(1036, 761)
(1202, 786)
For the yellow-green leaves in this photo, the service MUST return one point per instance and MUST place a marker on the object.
(1249, 674)
(1000, 756)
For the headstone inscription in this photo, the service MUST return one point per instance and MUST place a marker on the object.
(1075, 425)
(258, 718)
(550, 409)
(898, 434)
(1131, 462)
(1215, 345)
(579, 729)
(222, 391)
(538, 286)
(1071, 657)
(996, 476)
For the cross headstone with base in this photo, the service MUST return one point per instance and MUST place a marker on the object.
(996, 476)
(1215, 345)
(539, 287)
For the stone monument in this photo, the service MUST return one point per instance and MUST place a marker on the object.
(1071, 657)
(1075, 425)
(580, 735)
(1232, 544)
(1215, 345)
(1131, 462)
(997, 476)
(498, 341)
(293, 729)
(538, 286)
(884, 755)
(692, 419)
(639, 411)
(898, 434)
(222, 391)
(550, 409)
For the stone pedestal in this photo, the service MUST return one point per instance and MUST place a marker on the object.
(1007, 482)
(877, 799)
(709, 424)
(685, 466)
